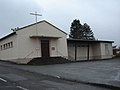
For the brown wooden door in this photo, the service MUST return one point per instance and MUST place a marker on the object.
(45, 48)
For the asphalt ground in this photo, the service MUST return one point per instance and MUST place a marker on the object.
(12, 78)
(105, 73)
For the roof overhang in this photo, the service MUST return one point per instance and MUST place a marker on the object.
(88, 41)
(7, 36)
(48, 37)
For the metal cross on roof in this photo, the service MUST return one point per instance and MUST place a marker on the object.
(36, 14)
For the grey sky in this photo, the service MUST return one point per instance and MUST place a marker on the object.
(103, 16)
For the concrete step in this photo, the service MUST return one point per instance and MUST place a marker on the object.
(48, 61)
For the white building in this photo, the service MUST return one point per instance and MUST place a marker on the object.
(89, 49)
(36, 40)
(44, 40)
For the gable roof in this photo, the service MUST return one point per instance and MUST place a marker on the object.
(41, 22)
(13, 33)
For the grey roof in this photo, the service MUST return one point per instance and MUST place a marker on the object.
(79, 40)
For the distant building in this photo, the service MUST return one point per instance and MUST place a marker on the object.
(116, 51)
(44, 40)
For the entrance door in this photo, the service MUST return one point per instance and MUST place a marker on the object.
(45, 48)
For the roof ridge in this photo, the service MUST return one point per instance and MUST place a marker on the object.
(41, 22)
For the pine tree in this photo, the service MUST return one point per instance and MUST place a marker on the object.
(75, 30)
(88, 34)
(78, 31)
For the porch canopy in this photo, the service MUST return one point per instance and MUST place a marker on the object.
(42, 36)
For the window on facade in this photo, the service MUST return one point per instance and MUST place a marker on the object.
(11, 44)
(1, 48)
(6, 46)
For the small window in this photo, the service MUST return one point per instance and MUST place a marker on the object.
(1, 48)
(11, 44)
(8, 45)
(4, 46)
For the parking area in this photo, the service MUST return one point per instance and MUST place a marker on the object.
(100, 72)
(105, 72)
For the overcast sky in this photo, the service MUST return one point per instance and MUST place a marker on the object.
(103, 16)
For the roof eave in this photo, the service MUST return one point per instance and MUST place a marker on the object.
(79, 40)
(9, 35)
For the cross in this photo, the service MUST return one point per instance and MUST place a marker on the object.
(36, 14)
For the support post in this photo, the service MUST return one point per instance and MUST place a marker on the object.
(88, 51)
(75, 51)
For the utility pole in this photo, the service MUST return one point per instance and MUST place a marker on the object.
(36, 15)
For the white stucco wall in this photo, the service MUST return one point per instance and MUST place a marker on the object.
(91, 55)
(106, 50)
(96, 50)
(60, 44)
(9, 53)
(32, 46)
(82, 52)
(71, 52)
(26, 47)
